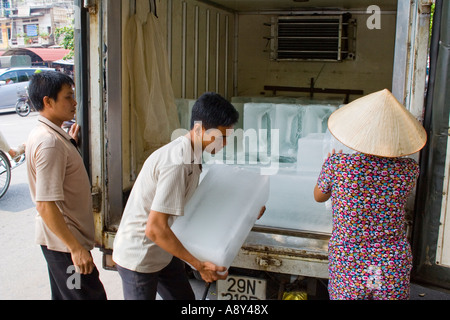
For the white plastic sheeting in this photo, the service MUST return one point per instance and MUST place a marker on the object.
(150, 96)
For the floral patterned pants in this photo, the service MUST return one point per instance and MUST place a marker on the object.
(377, 272)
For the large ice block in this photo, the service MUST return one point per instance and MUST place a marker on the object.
(310, 156)
(291, 121)
(257, 115)
(221, 213)
(277, 128)
(316, 117)
(330, 143)
(288, 120)
(291, 203)
(240, 109)
(257, 122)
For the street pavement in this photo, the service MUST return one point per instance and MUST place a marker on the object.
(23, 270)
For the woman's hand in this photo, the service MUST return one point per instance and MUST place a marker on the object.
(261, 212)
(333, 152)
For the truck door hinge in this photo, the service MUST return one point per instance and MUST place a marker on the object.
(96, 200)
(91, 5)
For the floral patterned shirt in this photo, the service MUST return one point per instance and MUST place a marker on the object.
(369, 255)
(369, 194)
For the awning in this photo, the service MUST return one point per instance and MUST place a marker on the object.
(39, 55)
(67, 62)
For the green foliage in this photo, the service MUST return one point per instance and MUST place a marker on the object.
(433, 10)
(68, 39)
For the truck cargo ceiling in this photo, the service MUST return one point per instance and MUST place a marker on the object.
(264, 5)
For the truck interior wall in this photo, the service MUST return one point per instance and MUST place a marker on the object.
(200, 43)
(202, 57)
(196, 51)
(370, 71)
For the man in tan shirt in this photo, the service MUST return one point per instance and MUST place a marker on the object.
(60, 187)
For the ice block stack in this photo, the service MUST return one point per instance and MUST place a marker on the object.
(221, 213)
(292, 121)
(301, 130)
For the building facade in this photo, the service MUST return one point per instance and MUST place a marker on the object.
(33, 22)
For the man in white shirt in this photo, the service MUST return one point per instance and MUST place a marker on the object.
(147, 253)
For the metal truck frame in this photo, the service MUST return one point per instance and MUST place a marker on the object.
(418, 79)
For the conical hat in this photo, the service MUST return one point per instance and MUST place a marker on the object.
(378, 124)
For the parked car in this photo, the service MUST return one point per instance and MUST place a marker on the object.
(13, 83)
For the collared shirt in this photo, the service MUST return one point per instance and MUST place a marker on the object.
(166, 182)
(56, 173)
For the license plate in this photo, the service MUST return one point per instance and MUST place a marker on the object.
(241, 288)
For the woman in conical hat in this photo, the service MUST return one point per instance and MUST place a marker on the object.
(369, 254)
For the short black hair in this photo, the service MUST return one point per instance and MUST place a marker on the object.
(213, 111)
(46, 84)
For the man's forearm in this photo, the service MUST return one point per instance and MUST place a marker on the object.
(54, 220)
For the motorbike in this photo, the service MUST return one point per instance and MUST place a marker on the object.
(24, 105)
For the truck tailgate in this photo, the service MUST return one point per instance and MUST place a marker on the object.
(285, 251)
